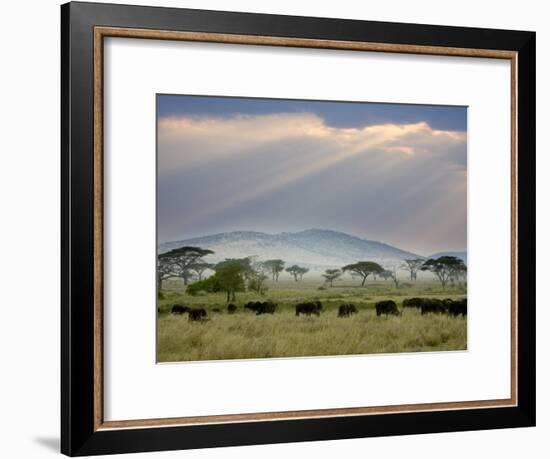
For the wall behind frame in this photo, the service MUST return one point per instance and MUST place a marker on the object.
(29, 190)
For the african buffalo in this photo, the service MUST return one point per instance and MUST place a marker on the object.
(346, 309)
(231, 308)
(387, 307)
(459, 307)
(266, 307)
(197, 314)
(312, 307)
(252, 305)
(412, 303)
(434, 305)
(179, 309)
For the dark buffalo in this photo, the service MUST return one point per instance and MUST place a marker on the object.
(266, 307)
(179, 309)
(459, 307)
(231, 308)
(312, 307)
(433, 305)
(197, 314)
(252, 305)
(412, 303)
(387, 307)
(345, 310)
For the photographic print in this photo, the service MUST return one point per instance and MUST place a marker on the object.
(300, 228)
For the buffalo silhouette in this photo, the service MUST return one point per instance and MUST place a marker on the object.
(434, 305)
(197, 314)
(346, 309)
(266, 307)
(387, 307)
(179, 309)
(308, 308)
(413, 303)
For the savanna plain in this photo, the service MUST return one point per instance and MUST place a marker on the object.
(244, 334)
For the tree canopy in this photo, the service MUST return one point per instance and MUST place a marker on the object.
(331, 275)
(413, 265)
(229, 278)
(364, 269)
(179, 263)
(244, 263)
(445, 268)
(275, 267)
(297, 271)
(185, 255)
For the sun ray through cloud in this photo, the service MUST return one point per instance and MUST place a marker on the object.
(248, 161)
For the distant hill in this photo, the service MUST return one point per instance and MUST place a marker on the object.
(462, 255)
(315, 249)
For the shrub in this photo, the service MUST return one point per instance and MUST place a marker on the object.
(209, 285)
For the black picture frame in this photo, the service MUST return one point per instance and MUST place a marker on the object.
(79, 435)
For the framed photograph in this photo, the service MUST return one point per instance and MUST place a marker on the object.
(281, 229)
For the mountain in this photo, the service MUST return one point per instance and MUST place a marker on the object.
(462, 255)
(315, 249)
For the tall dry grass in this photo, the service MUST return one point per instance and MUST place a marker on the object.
(245, 335)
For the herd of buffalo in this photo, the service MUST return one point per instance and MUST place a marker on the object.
(387, 307)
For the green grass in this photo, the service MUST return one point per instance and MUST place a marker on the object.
(244, 335)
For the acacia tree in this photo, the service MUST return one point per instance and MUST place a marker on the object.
(302, 271)
(182, 259)
(458, 273)
(331, 275)
(164, 272)
(363, 269)
(413, 265)
(257, 275)
(200, 267)
(244, 263)
(275, 267)
(186, 275)
(386, 274)
(296, 271)
(444, 268)
(230, 276)
(393, 275)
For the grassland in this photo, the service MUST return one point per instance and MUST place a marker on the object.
(244, 335)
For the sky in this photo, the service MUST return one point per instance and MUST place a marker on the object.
(394, 173)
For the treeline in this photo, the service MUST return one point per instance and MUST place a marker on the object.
(446, 269)
(248, 274)
(230, 276)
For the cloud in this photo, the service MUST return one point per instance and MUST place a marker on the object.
(234, 165)
(186, 142)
